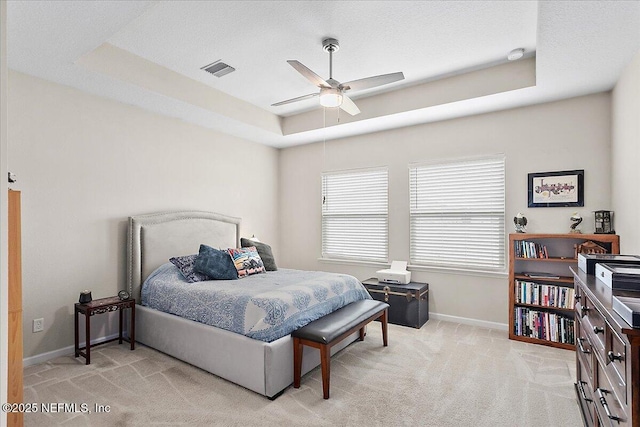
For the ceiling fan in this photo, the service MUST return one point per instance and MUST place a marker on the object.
(332, 92)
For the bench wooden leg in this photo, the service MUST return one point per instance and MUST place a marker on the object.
(325, 348)
(297, 362)
(325, 362)
(384, 327)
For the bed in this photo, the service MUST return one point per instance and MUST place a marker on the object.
(263, 367)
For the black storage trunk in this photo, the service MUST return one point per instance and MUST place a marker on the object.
(408, 304)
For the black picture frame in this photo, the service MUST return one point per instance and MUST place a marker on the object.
(556, 189)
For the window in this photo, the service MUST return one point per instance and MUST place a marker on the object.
(457, 214)
(355, 220)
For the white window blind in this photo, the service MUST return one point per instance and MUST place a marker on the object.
(457, 214)
(355, 220)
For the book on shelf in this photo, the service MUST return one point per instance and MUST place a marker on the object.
(551, 296)
(543, 325)
(525, 249)
(541, 275)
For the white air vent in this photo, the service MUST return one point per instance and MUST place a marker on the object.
(218, 68)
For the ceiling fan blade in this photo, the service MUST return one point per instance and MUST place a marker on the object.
(349, 106)
(300, 98)
(308, 74)
(369, 82)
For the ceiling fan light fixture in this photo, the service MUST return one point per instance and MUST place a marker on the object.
(330, 97)
(332, 92)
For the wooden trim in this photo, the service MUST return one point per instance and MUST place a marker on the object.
(609, 238)
(544, 307)
(15, 393)
(541, 341)
(569, 260)
(15, 253)
(632, 387)
(558, 282)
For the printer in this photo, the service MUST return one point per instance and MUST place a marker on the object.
(397, 274)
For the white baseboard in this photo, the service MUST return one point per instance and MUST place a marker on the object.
(43, 357)
(65, 351)
(468, 321)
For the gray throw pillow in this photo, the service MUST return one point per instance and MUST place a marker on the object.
(185, 265)
(215, 263)
(264, 251)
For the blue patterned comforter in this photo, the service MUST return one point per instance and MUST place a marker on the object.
(264, 306)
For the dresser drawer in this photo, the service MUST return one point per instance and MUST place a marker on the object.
(609, 393)
(617, 354)
(611, 411)
(577, 296)
(596, 321)
(584, 348)
(584, 390)
(581, 309)
(596, 341)
(586, 401)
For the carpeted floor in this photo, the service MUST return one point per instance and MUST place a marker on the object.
(444, 374)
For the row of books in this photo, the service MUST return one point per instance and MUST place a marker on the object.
(526, 249)
(546, 295)
(543, 325)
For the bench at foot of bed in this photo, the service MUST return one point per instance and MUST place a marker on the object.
(333, 328)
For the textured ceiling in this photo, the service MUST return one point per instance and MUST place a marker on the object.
(421, 39)
(580, 48)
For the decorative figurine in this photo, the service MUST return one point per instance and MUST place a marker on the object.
(604, 222)
(521, 223)
(588, 247)
(577, 219)
(85, 297)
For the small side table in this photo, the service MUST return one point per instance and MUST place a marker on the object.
(99, 306)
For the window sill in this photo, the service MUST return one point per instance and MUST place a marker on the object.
(377, 264)
(458, 271)
(434, 269)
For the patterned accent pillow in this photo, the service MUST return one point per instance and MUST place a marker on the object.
(264, 250)
(247, 261)
(185, 264)
(215, 263)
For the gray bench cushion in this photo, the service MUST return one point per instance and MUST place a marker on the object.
(327, 328)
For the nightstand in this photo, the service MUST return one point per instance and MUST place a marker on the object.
(100, 306)
(408, 304)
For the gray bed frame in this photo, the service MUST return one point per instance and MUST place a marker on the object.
(266, 368)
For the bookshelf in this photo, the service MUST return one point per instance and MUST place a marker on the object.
(541, 293)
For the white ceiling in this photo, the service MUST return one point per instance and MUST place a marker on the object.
(580, 48)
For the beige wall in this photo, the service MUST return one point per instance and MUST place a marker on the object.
(4, 285)
(625, 157)
(565, 135)
(84, 164)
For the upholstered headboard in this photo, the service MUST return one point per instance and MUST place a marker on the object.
(155, 238)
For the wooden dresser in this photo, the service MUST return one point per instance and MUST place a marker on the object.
(607, 357)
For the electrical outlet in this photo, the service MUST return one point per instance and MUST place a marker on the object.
(38, 325)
